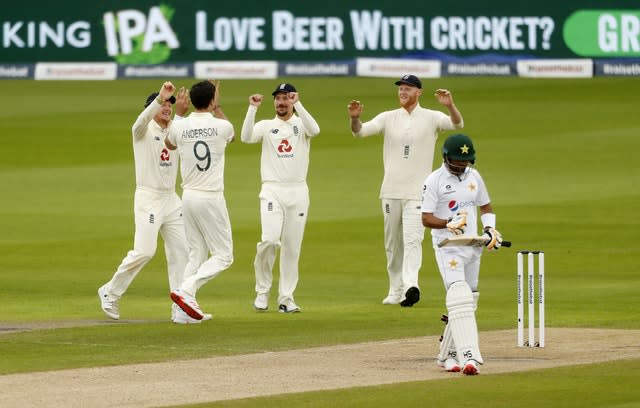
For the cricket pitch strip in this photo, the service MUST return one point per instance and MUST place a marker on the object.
(314, 369)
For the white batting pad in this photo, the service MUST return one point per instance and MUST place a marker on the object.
(447, 346)
(462, 321)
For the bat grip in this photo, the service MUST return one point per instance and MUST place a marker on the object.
(506, 244)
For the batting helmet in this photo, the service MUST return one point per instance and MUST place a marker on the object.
(459, 147)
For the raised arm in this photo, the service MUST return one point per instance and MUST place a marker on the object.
(355, 110)
(182, 103)
(217, 107)
(139, 127)
(247, 135)
(310, 124)
(445, 98)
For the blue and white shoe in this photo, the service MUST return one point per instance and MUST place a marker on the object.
(290, 308)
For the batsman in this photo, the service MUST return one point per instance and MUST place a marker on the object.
(451, 196)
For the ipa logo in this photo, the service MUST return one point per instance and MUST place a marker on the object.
(135, 38)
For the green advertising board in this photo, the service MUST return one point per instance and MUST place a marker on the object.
(617, 34)
(172, 31)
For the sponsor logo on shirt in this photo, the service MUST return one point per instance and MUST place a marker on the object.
(455, 205)
(284, 148)
(165, 158)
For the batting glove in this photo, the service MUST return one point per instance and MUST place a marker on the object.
(456, 224)
(496, 239)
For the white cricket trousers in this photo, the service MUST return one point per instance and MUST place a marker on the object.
(206, 222)
(459, 264)
(154, 212)
(403, 235)
(283, 215)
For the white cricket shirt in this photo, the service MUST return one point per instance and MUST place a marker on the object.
(285, 144)
(409, 143)
(156, 166)
(445, 195)
(201, 140)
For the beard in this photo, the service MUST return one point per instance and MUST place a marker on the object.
(282, 111)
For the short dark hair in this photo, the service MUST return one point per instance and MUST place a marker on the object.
(202, 94)
(153, 97)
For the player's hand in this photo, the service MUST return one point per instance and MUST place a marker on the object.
(293, 97)
(216, 95)
(444, 97)
(355, 109)
(182, 102)
(256, 99)
(167, 89)
(456, 224)
(496, 239)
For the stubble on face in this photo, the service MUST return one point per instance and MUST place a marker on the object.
(282, 105)
(408, 95)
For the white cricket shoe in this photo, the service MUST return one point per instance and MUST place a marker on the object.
(178, 316)
(289, 308)
(471, 368)
(451, 365)
(109, 304)
(391, 300)
(187, 303)
(262, 302)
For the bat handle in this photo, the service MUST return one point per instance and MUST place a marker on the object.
(506, 244)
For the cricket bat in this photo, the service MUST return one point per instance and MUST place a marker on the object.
(478, 241)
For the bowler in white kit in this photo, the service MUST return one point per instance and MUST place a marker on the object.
(201, 140)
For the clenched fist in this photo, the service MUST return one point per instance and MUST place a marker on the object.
(256, 99)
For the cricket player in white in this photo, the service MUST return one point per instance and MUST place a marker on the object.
(157, 207)
(410, 134)
(451, 195)
(201, 140)
(284, 197)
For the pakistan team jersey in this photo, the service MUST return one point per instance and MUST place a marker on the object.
(445, 195)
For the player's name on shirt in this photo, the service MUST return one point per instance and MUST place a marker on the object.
(202, 133)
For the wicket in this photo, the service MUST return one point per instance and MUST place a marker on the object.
(530, 298)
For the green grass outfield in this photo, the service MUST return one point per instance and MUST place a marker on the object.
(560, 158)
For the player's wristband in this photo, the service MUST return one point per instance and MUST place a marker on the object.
(488, 220)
